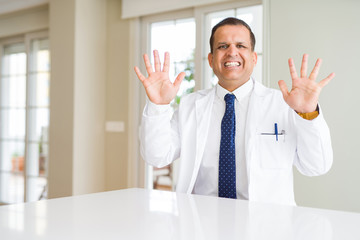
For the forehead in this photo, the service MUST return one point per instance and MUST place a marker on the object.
(232, 33)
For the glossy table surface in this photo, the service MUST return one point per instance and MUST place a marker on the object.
(151, 214)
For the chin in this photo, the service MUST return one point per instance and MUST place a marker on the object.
(233, 78)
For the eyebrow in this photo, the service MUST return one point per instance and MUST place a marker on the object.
(219, 43)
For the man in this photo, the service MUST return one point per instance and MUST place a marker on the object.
(239, 139)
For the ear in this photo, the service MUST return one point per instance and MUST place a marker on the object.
(254, 57)
(210, 58)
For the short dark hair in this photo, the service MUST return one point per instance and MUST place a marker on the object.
(234, 22)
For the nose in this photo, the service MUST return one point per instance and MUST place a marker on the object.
(232, 50)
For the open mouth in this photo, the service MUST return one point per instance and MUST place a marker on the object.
(232, 64)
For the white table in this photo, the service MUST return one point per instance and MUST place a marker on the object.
(150, 214)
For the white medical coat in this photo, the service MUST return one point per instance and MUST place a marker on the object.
(305, 144)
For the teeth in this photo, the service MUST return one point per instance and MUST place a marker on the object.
(232, 64)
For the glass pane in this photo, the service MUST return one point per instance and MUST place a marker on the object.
(13, 84)
(38, 124)
(13, 91)
(12, 156)
(178, 38)
(39, 89)
(218, 16)
(11, 188)
(14, 60)
(253, 17)
(257, 73)
(37, 159)
(169, 36)
(14, 48)
(13, 123)
(184, 40)
(210, 79)
(36, 188)
(38, 119)
(40, 58)
(211, 20)
(162, 38)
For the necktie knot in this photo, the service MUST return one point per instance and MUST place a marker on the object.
(229, 98)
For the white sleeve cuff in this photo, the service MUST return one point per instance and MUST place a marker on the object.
(152, 109)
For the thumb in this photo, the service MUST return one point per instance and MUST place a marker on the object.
(283, 88)
(178, 80)
(325, 81)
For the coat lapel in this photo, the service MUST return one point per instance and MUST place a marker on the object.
(203, 108)
(252, 122)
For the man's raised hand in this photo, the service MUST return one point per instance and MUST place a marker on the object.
(304, 94)
(158, 86)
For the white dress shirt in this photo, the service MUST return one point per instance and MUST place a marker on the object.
(207, 179)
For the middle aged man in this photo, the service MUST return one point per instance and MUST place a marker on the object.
(238, 139)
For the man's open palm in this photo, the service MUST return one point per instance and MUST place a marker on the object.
(304, 94)
(158, 86)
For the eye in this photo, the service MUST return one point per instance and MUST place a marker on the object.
(240, 46)
(223, 46)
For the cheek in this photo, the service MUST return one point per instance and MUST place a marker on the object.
(217, 59)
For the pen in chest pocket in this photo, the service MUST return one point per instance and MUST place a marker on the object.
(276, 132)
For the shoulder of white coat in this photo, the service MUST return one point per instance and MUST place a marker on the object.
(192, 97)
(273, 95)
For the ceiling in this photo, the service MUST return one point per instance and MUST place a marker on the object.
(8, 6)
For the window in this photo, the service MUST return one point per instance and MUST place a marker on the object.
(185, 34)
(24, 118)
(253, 17)
(178, 38)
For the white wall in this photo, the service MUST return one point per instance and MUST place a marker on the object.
(25, 21)
(322, 28)
(328, 29)
(77, 97)
(117, 95)
(89, 96)
(89, 45)
(10, 6)
(131, 8)
(61, 145)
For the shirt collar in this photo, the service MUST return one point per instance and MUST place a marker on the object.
(239, 93)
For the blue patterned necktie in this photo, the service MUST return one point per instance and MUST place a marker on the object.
(227, 177)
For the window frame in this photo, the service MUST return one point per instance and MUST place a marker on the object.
(201, 37)
(146, 48)
(141, 28)
(26, 40)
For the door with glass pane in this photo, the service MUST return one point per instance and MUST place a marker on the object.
(252, 15)
(178, 38)
(24, 120)
(176, 33)
(37, 119)
(12, 131)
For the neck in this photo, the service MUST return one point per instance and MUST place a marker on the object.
(232, 85)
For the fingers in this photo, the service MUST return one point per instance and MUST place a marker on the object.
(315, 71)
(139, 74)
(166, 62)
(303, 70)
(283, 88)
(157, 61)
(148, 64)
(326, 80)
(292, 68)
(179, 79)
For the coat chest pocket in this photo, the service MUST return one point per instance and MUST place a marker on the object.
(274, 154)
